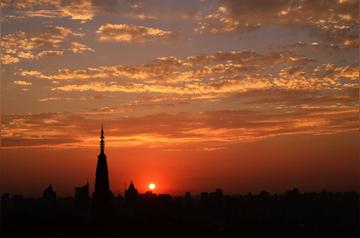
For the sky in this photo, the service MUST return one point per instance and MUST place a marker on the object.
(194, 95)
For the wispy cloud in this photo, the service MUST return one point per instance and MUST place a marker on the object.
(215, 128)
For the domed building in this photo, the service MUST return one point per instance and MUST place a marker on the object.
(131, 194)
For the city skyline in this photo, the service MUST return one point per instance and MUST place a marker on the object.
(243, 95)
(104, 186)
(103, 196)
(212, 213)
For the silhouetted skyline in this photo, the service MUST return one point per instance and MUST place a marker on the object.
(208, 213)
(243, 95)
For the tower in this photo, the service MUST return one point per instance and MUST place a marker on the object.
(102, 194)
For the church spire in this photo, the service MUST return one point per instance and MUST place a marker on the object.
(102, 194)
(102, 142)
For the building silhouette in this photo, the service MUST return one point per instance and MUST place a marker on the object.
(82, 193)
(102, 194)
(49, 193)
(82, 199)
(131, 194)
(49, 199)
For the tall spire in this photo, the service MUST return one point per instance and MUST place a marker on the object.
(102, 142)
(102, 194)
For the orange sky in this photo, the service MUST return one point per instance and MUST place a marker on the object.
(243, 95)
(310, 163)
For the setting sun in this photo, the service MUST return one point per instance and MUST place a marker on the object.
(152, 186)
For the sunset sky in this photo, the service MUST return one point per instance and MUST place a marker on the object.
(194, 95)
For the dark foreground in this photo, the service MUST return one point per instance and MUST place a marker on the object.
(209, 215)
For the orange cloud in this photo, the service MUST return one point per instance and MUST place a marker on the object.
(207, 76)
(27, 45)
(22, 83)
(192, 68)
(211, 128)
(130, 33)
(83, 10)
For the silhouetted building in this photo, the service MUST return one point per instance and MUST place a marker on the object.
(82, 193)
(204, 197)
(218, 195)
(49, 193)
(49, 199)
(164, 198)
(292, 214)
(148, 196)
(131, 194)
(102, 194)
(5, 198)
(188, 197)
(82, 199)
(295, 193)
(264, 195)
(5, 203)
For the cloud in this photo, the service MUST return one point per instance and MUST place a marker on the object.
(219, 128)
(54, 41)
(273, 94)
(47, 53)
(131, 33)
(281, 82)
(301, 99)
(31, 73)
(158, 10)
(207, 76)
(179, 70)
(82, 10)
(58, 99)
(86, 10)
(8, 59)
(22, 83)
(77, 47)
(335, 22)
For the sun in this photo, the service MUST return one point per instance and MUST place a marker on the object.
(152, 186)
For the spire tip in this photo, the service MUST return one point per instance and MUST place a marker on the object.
(102, 143)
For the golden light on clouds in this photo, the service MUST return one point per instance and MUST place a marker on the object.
(22, 83)
(130, 33)
(54, 41)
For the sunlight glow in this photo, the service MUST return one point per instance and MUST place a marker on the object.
(152, 186)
